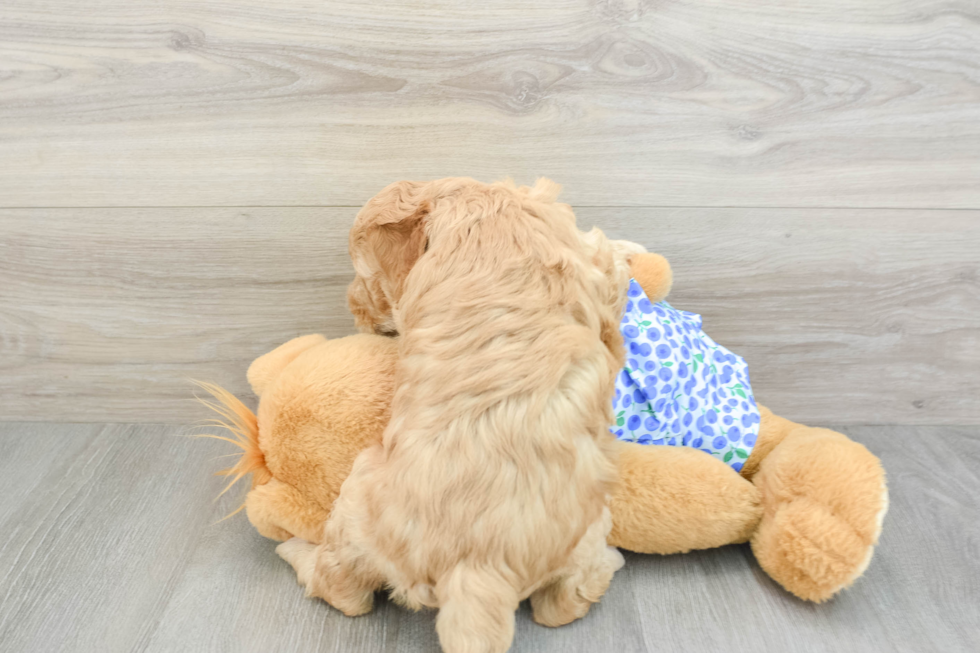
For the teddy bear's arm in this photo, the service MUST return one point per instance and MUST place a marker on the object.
(675, 499)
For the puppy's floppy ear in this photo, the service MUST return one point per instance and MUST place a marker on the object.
(389, 235)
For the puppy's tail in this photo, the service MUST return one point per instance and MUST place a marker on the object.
(236, 418)
(476, 611)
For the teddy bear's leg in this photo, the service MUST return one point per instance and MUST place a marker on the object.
(824, 498)
(773, 429)
(279, 511)
(591, 568)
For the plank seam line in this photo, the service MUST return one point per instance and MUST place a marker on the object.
(576, 206)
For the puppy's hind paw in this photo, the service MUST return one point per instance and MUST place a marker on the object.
(301, 555)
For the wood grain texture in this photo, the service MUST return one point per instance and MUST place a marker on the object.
(847, 103)
(845, 316)
(113, 312)
(114, 549)
(89, 555)
(862, 317)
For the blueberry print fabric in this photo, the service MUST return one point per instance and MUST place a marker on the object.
(681, 388)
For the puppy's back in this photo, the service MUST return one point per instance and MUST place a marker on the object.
(497, 456)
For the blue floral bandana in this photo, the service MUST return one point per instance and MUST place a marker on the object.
(679, 387)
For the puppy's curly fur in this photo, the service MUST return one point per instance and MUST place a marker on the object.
(490, 484)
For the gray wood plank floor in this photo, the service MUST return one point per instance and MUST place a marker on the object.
(108, 543)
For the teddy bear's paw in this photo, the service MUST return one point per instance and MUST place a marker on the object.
(302, 556)
(812, 552)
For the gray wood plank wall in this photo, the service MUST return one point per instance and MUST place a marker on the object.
(845, 316)
(719, 102)
(177, 178)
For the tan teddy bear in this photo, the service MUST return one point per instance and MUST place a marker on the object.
(809, 500)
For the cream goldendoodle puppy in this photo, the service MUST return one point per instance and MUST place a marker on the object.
(490, 483)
